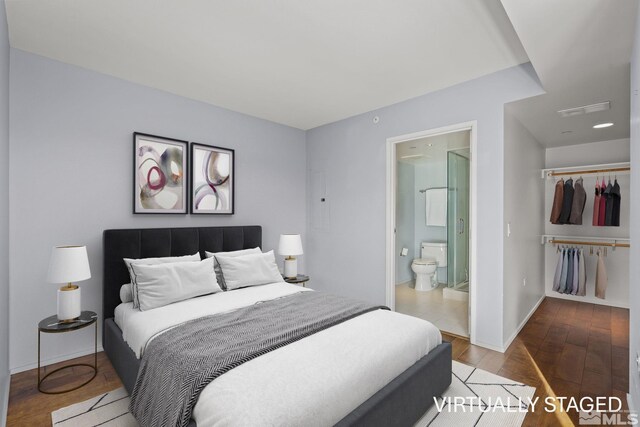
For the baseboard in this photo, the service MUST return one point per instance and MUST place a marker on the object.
(53, 360)
(524, 322)
(4, 405)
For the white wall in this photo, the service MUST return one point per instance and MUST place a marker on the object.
(523, 201)
(405, 212)
(616, 262)
(346, 255)
(71, 178)
(634, 270)
(4, 213)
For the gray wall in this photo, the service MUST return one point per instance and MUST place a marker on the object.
(524, 210)
(634, 270)
(71, 174)
(4, 211)
(346, 233)
(405, 234)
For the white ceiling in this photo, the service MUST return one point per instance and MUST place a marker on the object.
(300, 63)
(433, 148)
(580, 50)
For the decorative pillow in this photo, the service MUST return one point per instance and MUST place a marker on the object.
(126, 294)
(219, 275)
(152, 261)
(162, 284)
(249, 270)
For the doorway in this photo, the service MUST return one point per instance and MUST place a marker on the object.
(430, 245)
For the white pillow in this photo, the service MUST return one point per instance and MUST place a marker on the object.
(163, 284)
(219, 275)
(249, 270)
(126, 294)
(152, 261)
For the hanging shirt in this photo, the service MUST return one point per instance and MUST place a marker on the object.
(601, 278)
(576, 270)
(579, 200)
(569, 282)
(567, 202)
(565, 271)
(615, 201)
(556, 208)
(608, 216)
(596, 206)
(603, 204)
(558, 275)
(582, 276)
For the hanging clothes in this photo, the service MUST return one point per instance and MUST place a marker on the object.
(558, 275)
(615, 201)
(556, 208)
(601, 277)
(565, 271)
(567, 201)
(576, 272)
(582, 276)
(570, 268)
(603, 204)
(579, 200)
(608, 216)
(596, 205)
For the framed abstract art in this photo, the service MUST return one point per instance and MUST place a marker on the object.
(160, 175)
(212, 179)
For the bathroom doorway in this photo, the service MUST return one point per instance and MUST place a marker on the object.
(429, 253)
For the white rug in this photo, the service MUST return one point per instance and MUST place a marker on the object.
(483, 399)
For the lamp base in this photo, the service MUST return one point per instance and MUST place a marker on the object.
(68, 303)
(290, 267)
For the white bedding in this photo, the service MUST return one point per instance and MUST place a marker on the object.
(313, 382)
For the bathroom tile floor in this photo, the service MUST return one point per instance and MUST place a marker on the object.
(448, 315)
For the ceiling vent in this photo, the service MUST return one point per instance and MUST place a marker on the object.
(586, 109)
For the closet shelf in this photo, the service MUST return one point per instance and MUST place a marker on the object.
(602, 169)
(613, 242)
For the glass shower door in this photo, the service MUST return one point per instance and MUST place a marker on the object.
(458, 220)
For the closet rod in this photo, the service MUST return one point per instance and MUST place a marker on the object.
(586, 171)
(577, 242)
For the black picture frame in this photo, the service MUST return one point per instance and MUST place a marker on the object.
(201, 186)
(145, 199)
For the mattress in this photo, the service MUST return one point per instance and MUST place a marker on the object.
(315, 381)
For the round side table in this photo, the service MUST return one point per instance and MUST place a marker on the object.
(300, 279)
(51, 325)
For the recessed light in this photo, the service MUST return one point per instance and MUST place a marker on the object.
(602, 125)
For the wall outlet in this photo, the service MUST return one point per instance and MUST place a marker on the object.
(524, 282)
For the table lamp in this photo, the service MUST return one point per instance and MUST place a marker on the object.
(68, 264)
(290, 246)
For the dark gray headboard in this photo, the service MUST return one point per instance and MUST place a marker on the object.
(161, 242)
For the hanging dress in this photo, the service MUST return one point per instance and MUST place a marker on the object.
(567, 201)
(608, 216)
(596, 205)
(579, 200)
(601, 277)
(556, 208)
(603, 204)
(615, 201)
(582, 276)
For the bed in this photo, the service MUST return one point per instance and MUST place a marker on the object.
(401, 396)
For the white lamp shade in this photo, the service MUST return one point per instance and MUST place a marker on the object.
(290, 245)
(68, 264)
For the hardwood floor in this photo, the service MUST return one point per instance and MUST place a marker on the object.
(566, 349)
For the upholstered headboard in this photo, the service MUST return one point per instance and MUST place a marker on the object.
(161, 242)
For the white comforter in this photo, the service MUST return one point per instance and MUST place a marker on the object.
(312, 382)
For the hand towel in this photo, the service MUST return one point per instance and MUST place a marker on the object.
(436, 207)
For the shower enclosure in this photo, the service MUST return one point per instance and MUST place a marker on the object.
(458, 219)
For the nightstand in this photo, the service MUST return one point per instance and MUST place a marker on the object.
(300, 279)
(51, 325)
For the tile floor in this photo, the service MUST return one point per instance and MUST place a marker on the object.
(448, 315)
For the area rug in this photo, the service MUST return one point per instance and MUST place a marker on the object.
(475, 398)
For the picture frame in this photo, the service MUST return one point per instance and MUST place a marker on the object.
(212, 180)
(160, 175)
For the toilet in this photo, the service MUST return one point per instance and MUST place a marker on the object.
(432, 256)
